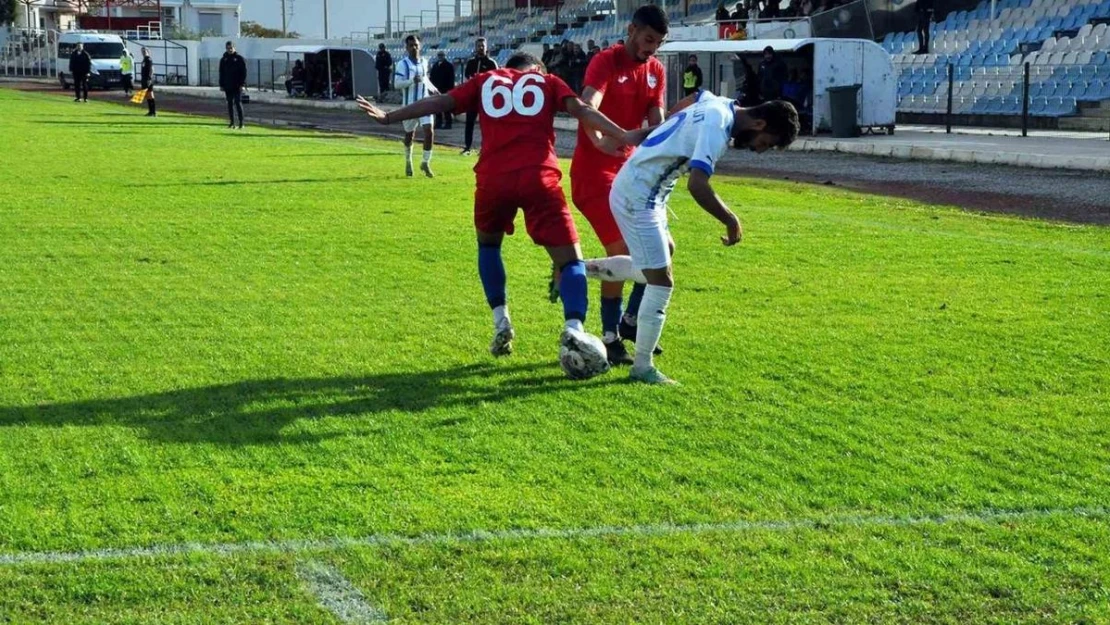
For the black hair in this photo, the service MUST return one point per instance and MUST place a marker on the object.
(523, 60)
(781, 118)
(768, 49)
(652, 16)
(410, 39)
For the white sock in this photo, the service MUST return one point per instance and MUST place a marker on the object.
(427, 156)
(614, 269)
(574, 324)
(500, 317)
(653, 313)
(609, 337)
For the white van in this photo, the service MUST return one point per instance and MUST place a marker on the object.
(105, 51)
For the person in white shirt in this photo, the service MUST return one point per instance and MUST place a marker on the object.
(693, 139)
(411, 79)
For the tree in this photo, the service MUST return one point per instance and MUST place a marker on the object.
(254, 29)
(8, 9)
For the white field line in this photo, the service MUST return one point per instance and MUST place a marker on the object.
(310, 545)
(336, 594)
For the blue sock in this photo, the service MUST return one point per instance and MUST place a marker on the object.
(572, 288)
(610, 314)
(492, 272)
(634, 300)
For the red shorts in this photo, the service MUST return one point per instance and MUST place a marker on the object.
(591, 195)
(538, 193)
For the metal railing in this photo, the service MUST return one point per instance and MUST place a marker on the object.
(1018, 94)
(28, 53)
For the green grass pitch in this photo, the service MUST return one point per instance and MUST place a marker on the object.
(890, 412)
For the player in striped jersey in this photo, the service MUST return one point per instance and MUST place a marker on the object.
(692, 140)
(411, 78)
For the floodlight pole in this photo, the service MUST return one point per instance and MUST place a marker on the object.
(284, 25)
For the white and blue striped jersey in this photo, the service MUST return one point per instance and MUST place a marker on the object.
(411, 78)
(694, 138)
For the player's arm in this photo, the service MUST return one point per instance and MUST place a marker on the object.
(707, 198)
(596, 121)
(592, 97)
(428, 106)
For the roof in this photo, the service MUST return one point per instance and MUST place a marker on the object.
(313, 49)
(750, 45)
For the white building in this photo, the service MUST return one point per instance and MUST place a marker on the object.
(206, 17)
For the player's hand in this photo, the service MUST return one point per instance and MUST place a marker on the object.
(636, 137)
(610, 145)
(733, 230)
(374, 112)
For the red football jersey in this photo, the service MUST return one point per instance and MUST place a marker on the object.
(516, 112)
(630, 90)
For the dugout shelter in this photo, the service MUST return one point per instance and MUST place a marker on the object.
(825, 62)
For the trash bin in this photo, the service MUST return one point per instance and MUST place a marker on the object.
(842, 101)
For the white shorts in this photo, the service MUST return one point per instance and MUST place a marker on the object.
(644, 229)
(412, 124)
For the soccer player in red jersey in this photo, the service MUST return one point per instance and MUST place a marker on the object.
(627, 84)
(518, 169)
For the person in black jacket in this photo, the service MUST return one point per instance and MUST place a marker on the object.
(442, 75)
(772, 75)
(80, 64)
(233, 75)
(384, 64)
(478, 64)
(146, 78)
(924, 10)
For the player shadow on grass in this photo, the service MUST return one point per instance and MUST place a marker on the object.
(139, 122)
(225, 183)
(255, 412)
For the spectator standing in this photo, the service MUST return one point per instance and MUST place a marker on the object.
(692, 77)
(722, 12)
(127, 70)
(772, 75)
(233, 76)
(480, 63)
(146, 81)
(442, 75)
(383, 62)
(924, 10)
(80, 64)
(578, 62)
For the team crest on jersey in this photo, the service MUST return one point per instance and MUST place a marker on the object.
(652, 81)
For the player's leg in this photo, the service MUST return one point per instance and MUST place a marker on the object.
(653, 314)
(632, 311)
(410, 133)
(595, 207)
(645, 231)
(491, 271)
(429, 138)
(151, 107)
(493, 217)
(468, 132)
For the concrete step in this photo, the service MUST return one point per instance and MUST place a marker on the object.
(1090, 124)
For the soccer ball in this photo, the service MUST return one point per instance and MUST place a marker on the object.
(582, 355)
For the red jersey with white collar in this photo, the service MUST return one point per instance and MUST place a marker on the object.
(629, 89)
